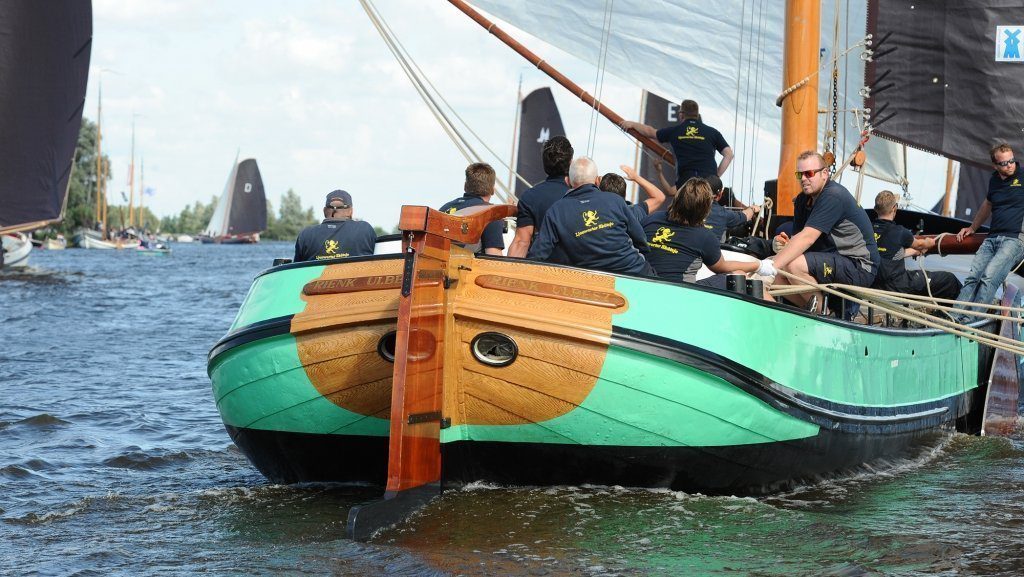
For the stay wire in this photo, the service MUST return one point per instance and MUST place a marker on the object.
(402, 54)
(602, 61)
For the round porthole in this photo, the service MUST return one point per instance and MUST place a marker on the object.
(386, 346)
(494, 349)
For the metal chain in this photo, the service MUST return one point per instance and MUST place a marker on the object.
(835, 109)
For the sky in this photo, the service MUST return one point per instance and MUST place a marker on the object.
(310, 90)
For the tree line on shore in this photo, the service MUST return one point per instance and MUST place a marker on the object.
(80, 211)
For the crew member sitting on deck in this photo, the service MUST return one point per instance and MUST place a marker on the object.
(896, 243)
(478, 189)
(680, 243)
(612, 182)
(721, 219)
(594, 227)
(535, 202)
(338, 236)
(833, 241)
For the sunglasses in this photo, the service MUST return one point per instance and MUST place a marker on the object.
(800, 174)
(1004, 163)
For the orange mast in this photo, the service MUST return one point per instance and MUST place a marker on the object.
(800, 100)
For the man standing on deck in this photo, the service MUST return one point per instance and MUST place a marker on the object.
(595, 228)
(338, 236)
(1004, 248)
(833, 241)
(479, 188)
(693, 143)
(895, 244)
(535, 202)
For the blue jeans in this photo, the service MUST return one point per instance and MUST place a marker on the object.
(991, 265)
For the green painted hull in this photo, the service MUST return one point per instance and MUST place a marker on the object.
(711, 381)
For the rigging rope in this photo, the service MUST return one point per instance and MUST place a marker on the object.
(602, 61)
(736, 100)
(421, 82)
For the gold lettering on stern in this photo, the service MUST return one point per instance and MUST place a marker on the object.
(550, 290)
(354, 284)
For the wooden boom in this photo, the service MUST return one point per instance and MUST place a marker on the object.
(561, 79)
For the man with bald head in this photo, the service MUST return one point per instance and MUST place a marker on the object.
(595, 228)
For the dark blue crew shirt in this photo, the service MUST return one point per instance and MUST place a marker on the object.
(721, 219)
(694, 144)
(596, 229)
(893, 241)
(535, 202)
(335, 238)
(1007, 198)
(677, 250)
(845, 227)
(492, 235)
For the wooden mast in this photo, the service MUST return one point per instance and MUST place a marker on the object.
(142, 194)
(131, 181)
(949, 188)
(799, 107)
(99, 159)
(561, 79)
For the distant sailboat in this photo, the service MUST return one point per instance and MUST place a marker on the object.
(241, 213)
(41, 101)
(538, 122)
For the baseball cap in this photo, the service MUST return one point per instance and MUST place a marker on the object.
(338, 196)
(715, 182)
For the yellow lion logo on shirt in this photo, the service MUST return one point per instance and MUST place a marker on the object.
(590, 217)
(330, 247)
(452, 210)
(691, 131)
(664, 234)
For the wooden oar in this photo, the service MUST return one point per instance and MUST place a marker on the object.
(414, 451)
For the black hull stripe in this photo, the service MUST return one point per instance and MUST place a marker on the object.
(254, 332)
(285, 457)
(825, 413)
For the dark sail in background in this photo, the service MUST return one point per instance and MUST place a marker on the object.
(44, 67)
(971, 190)
(248, 200)
(945, 77)
(539, 121)
(659, 113)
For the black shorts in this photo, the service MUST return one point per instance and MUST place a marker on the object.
(832, 267)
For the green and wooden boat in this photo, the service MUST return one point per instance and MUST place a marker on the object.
(551, 374)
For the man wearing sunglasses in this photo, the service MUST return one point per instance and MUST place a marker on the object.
(833, 241)
(1004, 248)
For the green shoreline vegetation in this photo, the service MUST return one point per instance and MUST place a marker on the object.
(283, 224)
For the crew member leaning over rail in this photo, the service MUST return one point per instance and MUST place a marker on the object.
(595, 228)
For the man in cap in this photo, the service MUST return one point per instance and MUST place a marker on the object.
(338, 236)
(721, 219)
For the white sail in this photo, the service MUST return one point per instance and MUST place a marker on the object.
(219, 221)
(727, 55)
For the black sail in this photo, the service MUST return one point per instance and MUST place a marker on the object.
(248, 200)
(946, 75)
(538, 122)
(659, 113)
(44, 68)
